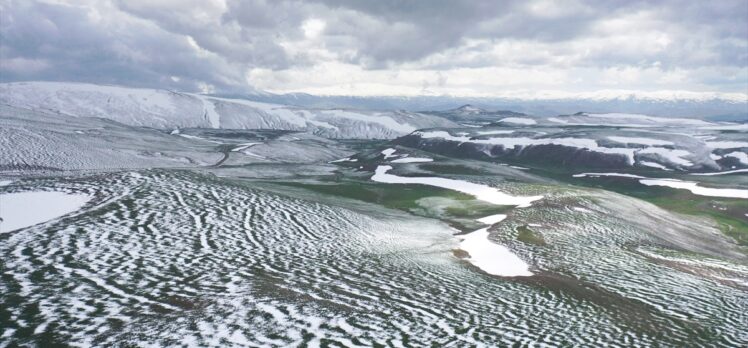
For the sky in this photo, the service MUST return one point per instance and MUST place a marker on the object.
(333, 47)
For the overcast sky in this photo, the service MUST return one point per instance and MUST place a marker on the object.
(476, 48)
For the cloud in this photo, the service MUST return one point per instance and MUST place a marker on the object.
(374, 47)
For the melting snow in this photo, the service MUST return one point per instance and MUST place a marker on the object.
(496, 132)
(490, 257)
(412, 160)
(347, 159)
(509, 142)
(642, 141)
(595, 175)
(492, 219)
(244, 146)
(673, 156)
(653, 165)
(197, 138)
(741, 156)
(388, 153)
(493, 258)
(722, 173)
(518, 120)
(678, 184)
(696, 189)
(481, 192)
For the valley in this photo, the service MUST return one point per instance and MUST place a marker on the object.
(226, 222)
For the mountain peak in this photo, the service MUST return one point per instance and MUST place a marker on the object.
(469, 108)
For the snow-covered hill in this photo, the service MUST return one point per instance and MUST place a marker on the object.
(166, 109)
(700, 105)
(601, 141)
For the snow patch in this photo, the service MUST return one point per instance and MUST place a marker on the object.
(653, 165)
(673, 156)
(493, 258)
(722, 173)
(678, 184)
(741, 156)
(23, 209)
(696, 189)
(518, 120)
(481, 192)
(642, 141)
(244, 146)
(413, 160)
(726, 144)
(595, 175)
(509, 142)
(496, 132)
(388, 153)
(492, 219)
(347, 159)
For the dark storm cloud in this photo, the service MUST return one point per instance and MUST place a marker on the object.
(192, 44)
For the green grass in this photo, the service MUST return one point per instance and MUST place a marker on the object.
(402, 197)
(455, 208)
(729, 219)
(526, 235)
(449, 169)
(727, 213)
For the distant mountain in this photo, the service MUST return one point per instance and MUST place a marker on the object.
(585, 141)
(469, 114)
(672, 104)
(169, 110)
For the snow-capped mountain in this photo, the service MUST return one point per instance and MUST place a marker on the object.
(168, 110)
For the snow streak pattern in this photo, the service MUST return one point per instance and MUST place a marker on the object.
(169, 258)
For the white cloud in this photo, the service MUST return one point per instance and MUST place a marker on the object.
(313, 28)
(371, 48)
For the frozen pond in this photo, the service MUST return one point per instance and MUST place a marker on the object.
(23, 209)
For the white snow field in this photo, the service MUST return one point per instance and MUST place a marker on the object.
(23, 209)
(168, 110)
(44, 141)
